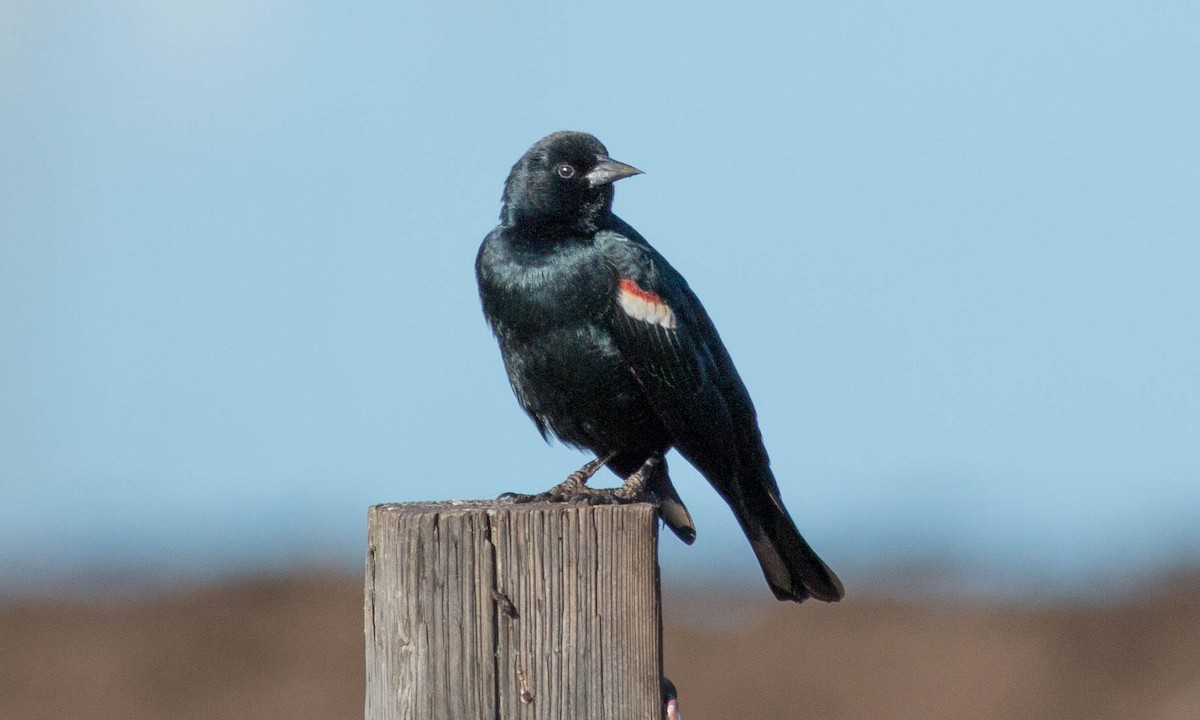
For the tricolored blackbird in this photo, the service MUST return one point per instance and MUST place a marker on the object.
(607, 348)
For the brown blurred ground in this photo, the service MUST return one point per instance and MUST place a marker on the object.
(292, 648)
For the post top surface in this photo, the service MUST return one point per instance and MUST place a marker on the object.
(473, 506)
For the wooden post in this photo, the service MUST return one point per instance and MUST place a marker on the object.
(486, 611)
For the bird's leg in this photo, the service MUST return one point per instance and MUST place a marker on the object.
(576, 482)
(634, 487)
(574, 487)
(633, 490)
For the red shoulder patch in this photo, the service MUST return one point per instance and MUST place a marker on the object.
(641, 304)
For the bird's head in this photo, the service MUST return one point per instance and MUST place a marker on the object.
(565, 179)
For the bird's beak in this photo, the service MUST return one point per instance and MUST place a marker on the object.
(609, 171)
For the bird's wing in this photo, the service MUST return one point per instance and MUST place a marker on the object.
(673, 349)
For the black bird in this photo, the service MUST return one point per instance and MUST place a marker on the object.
(607, 348)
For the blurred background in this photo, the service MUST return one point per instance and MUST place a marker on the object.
(952, 249)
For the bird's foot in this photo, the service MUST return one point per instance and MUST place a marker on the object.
(573, 489)
(632, 491)
(609, 496)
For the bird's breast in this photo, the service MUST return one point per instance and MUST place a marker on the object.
(536, 292)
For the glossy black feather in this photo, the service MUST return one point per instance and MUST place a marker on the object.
(607, 348)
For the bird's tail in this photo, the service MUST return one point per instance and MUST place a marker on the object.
(790, 565)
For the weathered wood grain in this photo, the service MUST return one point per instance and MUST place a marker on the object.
(485, 611)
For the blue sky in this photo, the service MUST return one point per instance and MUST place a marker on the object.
(952, 248)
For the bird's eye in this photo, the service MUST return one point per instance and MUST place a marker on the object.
(566, 171)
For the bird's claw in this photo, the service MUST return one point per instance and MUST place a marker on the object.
(581, 495)
(565, 492)
(613, 496)
(573, 489)
(514, 498)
